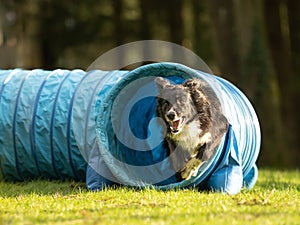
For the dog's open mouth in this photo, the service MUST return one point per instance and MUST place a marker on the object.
(176, 125)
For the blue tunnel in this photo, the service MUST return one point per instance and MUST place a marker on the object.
(101, 127)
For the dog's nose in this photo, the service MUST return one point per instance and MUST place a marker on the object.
(171, 115)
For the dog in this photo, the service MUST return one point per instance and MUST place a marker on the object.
(194, 123)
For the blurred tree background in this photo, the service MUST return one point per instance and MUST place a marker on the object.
(255, 44)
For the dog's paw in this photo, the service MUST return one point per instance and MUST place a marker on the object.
(190, 169)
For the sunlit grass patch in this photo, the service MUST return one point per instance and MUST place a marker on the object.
(274, 200)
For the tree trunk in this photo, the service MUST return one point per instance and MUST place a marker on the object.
(243, 58)
(202, 44)
(145, 29)
(29, 51)
(175, 21)
(283, 65)
(118, 28)
(117, 18)
(294, 28)
(226, 52)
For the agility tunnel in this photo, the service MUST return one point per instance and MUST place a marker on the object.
(101, 127)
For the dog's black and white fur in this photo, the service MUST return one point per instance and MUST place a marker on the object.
(195, 123)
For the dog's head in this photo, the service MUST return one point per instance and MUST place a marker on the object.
(176, 103)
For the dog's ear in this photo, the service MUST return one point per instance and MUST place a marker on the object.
(162, 83)
(192, 84)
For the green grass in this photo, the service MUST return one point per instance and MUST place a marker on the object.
(274, 200)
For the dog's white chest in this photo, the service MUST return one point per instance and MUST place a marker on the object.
(189, 136)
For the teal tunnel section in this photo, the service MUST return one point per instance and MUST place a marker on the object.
(36, 138)
(60, 125)
(37, 123)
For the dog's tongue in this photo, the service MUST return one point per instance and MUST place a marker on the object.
(175, 124)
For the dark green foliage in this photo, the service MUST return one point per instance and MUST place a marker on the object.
(255, 44)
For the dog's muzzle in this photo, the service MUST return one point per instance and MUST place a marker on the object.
(175, 123)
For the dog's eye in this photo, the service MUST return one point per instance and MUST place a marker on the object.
(165, 105)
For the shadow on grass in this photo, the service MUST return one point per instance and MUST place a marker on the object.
(40, 187)
(268, 180)
(279, 179)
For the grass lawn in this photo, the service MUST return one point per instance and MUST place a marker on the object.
(274, 200)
